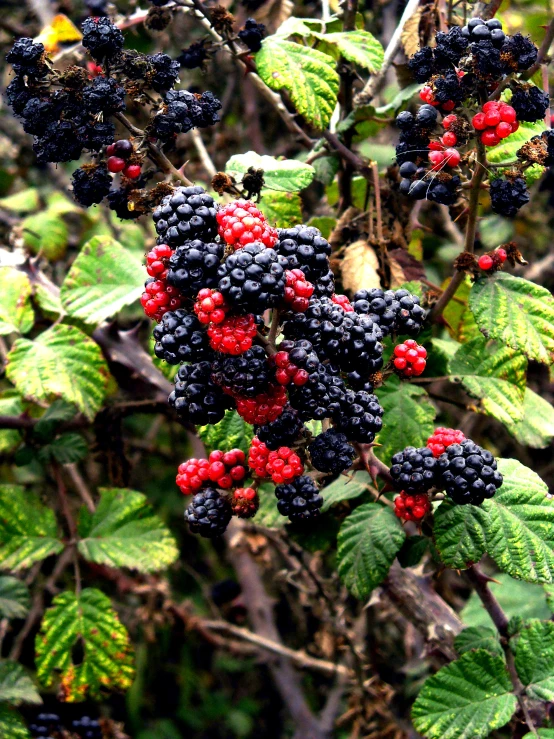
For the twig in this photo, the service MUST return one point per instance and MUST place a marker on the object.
(357, 162)
(205, 158)
(378, 212)
(543, 51)
(80, 485)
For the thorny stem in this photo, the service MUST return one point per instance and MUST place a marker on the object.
(378, 212)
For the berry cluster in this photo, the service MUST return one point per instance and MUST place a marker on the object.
(241, 223)
(221, 469)
(409, 358)
(282, 465)
(412, 507)
(493, 260)
(495, 122)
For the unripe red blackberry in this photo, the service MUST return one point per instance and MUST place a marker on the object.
(158, 298)
(157, 261)
(412, 507)
(245, 502)
(409, 358)
(263, 408)
(298, 290)
(241, 223)
(442, 438)
(233, 335)
(210, 306)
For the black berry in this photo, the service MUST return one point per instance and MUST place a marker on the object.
(208, 514)
(102, 38)
(249, 374)
(194, 265)
(187, 213)
(91, 184)
(414, 470)
(284, 431)
(196, 397)
(180, 337)
(468, 473)
(360, 416)
(299, 500)
(330, 452)
(508, 195)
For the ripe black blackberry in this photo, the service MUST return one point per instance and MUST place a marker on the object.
(194, 265)
(426, 116)
(37, 113)
(194, 56)
(322, 396)
(396, 311)
(448, 87)
(252, 35)
(187, 213)
(423, 64)
(248, 374)
(414, 470)
(305, 249)
(180, 337)
(59, 143)
(44, 724)
(91, 184)
(103, 95)
(118, 201)
(530, 103)
(324, 286)
(101, 38)
(357, 380)
(360, 348)
(444, 190)
(196, 397)
(18, 94)
(299, 500)
(253, 278)
(182, 111)
(94, 136)
(321, 325)
(87, 728)
(479, 31)
(166, 72)
(360, 416)
(487, 60)
(518, 53)
(284, 431)
(27, 57)
(413, 145)
(330, 452)
(508, 195)
(468, 473)
(209, 513)
(451, 46)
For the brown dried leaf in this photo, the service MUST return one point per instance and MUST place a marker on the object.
(359, 267)
(404, 267)
(273, 13)
(410, 33)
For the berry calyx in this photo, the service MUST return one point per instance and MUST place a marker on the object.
(411, 507)
(298, 290)
(241, 223)
(442, 438)
(245, 502)
(233, 335)
(210, 306)
(409, 358)
(115, 164)
(157, 260)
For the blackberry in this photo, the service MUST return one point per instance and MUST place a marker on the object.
(487, 58)
(183, 111)
(330, 452)
(101, 38)
(118, 200)
(360, 417)
(180, 337)
(518, 53)
(194, 265)
(426, 116)
(194, 56)
(414, 470)
(208, 514)
(324, 286)
(405, 121)
(18, 95)
(248, 374)
(167, 72)
(284, 431)
(253, 278)
(252, 34)
(448, 87)
(87, 728)
(59, 143)
(444, 192)
(104, 95)
(478, 30)
(451, 46)
(508, 195)
(187, 213)
(413, 145)
(27, 58)
(392, 310)
(322, 396)
(299, 500)
(196, 397)
(44, 724)
(357, 380)
(94, 136)
(408, 169)
(530, 103)
(91, 183)
(305, 249)
(423, 64)
(37, 113)
(468, 473)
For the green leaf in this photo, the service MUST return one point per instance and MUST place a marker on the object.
(89, 620)
(59, 412)
(28, 530)
(368, 541)
(284, 175)
(267, 514)
(16, 312)
(459, 534)
(459, 319)
(124, 532)
(15, 600)
(25, 201)
(325, 170)
(412, 551)
(65, 449)
(408, 417)
(345, 488)
(517, 312)
(48, 301)
(46, 232)
(515, 597)
(281, 209)
(359, 47)
(12, 724)
(62, 362)
(16, 686)
(308, 75)
(104, 278)
(478, 637)
(230, 433)
(493, 374)
(467, 699)
(506, 151)
(10, 405)
(536, 427)
(535, 659)
(543, 734)
(520, 524)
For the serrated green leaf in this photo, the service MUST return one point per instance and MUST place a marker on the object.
(412, 551)
(467, 699)
(10, 405)
(520, 524)
(230, 433)
(459, 534)
(517, 312)
(325, 170)
(549, 593)
(90, 620)
(15, 600)
(368, 541)
(59, 412)
(459, 319)
(281, 209)
(16, 686)
(308, 75)
(345, 488)
(359, 47)
(407, 419)
(48, 301)
(65, 449)
(12, 724)
(28, 530)
(478, 638)
(16, 312)
(536, 427)
(516, 598)
(493, 374)
(103, 279)
(542, 733)
(61, 362)
(284, 175)
(46, 232)
(534, 649)
(124, 532)
(25, 201)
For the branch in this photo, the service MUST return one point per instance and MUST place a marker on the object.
(543, 51)
(349, 156)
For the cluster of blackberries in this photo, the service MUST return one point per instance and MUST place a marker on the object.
(252, 34)
(508, 195)
(49, 724)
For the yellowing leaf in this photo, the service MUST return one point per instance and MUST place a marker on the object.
(61, 30)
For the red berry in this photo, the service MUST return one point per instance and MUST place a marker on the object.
(343, 301)
(409, 358)
(241, 223)
(115, 164)
(443, 437)
(157, 259)
(233, 335)
(489, 137)
(449, 105)
(508, 114)
(449, 120)
(503, 129)
(110, 150)
(411, 507)
(263, 408)
(132, 171)
(490, 105)
(501, 254)
(478, 122)
(245, 502)
(210, 306)
(449, 138)
(453, 157)
(158, 298)
(282, 465)
(297, 290)
(515, 126)
(426, 94)
(435, 146)
(492, 117)
(436, 158)
(486, 262)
